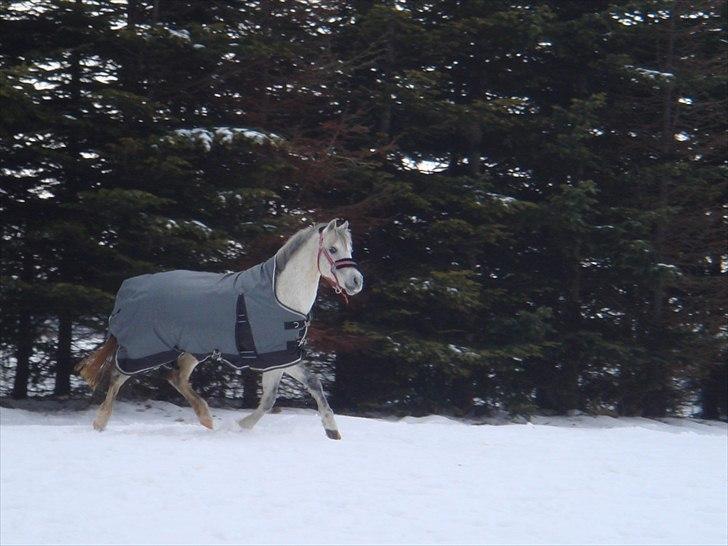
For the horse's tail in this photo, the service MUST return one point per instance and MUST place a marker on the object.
(96, 366)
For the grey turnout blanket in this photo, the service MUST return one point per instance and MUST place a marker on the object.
(233, 316)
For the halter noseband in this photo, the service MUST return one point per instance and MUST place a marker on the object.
(333, 266)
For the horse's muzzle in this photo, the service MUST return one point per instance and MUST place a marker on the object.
(354, 283)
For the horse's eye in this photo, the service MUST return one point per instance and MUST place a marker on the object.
(332, 250)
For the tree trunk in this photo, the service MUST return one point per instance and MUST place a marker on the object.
(155, 11)
(64, 363)
(452, 166)
(26, 335)
(475, 141)
(709, 397)
(714, 386)
(23, 352)
(714, 393)
(657, 375)
(570, 398)
(463, 394)
(385, 117)
(250, 390)
(132, 14)
(129, 68)
(473, 129)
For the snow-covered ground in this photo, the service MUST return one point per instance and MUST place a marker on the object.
(156, 477)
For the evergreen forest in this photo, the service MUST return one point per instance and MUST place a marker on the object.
(536, 191)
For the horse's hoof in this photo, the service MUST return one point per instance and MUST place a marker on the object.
(99, 426)
(247, 425)
(333, 434)
(207, 422)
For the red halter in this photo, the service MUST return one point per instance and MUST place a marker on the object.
(333, 266)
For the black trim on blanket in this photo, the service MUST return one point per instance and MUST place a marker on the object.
(270, 361)
(263, 363)
(139, 365)
(243, 334)
(295, 324)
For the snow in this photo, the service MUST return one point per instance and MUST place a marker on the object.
(649, 73)
(203, 136)
(183, 34)
(505, 199)
(157, 477)
(682, 136)
(200, 225)
(425, 166)
(225, 135)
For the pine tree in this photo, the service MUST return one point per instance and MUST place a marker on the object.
(535, 189)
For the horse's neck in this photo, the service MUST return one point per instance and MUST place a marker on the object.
(297, 284)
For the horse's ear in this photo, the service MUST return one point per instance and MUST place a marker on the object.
(331, 225)
(345, 225)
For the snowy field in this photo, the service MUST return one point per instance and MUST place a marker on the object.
(157, 477)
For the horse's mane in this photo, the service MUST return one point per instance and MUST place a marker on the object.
(285, 253)
(296, 241)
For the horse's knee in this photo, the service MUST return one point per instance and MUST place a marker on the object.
(313, 383)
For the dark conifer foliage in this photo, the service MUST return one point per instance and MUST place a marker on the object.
(536, 189)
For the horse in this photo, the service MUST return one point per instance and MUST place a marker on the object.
(151, 327)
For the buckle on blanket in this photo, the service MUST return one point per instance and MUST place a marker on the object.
(295, 324)
(294, 346)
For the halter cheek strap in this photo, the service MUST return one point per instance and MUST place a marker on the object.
(333, 266)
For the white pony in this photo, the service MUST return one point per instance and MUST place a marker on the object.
(320, 251)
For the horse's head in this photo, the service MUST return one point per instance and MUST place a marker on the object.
(334, 259)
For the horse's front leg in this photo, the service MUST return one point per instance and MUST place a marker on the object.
(270, 381)
(313, 384)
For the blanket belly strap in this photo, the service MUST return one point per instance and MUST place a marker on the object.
(262, 363)
(243, 333)
(131, 366)
(267, 361)
(295, 324)
(249, 357)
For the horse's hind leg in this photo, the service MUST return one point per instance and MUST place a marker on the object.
(270, 391)
(313, 384)
(180, 380)
(102, 416)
